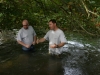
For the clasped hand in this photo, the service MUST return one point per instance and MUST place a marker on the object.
(28, 46)
(53, 46)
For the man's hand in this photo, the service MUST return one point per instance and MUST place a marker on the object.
(53, 46)
(27, 46)
(23, 44)
(40, 40)
(34, 43)
(37, 41)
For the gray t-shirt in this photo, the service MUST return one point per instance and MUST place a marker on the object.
(26, 35)
(55, 37)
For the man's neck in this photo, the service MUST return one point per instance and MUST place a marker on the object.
(25, 28)
(56, 28)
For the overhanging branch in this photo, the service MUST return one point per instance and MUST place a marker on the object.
(87, 10)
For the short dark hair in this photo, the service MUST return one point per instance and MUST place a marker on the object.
(52, 20)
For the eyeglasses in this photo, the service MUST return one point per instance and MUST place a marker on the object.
(25, 25)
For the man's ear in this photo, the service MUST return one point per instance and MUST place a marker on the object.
(55, 24)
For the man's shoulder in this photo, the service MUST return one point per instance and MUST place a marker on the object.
(20, 29)
(60, 31)
(30, 26)
(48, 32)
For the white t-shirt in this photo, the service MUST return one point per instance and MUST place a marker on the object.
(55, 37)
(26, 35)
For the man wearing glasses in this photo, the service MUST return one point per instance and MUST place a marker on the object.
(26, 36)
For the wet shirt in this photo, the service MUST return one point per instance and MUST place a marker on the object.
(26, 35)
(55, 37)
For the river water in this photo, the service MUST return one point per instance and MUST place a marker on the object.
(81, 56)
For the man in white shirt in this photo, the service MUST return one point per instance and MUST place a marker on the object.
(56, 38)
(26, 36)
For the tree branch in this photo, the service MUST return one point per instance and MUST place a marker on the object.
(87, 10)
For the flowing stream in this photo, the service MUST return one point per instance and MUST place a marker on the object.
(81, 56)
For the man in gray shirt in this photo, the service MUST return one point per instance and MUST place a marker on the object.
(56, 38)
(26, 36)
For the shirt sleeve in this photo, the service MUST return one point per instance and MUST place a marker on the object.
(34, 33)
(19, 36)
(63, 38)
(47, 36)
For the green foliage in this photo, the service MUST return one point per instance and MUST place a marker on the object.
(70, 14)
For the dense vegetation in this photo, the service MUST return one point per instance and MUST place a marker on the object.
(74, 15)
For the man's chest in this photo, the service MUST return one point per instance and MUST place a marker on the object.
(54, 35)
(27, 33)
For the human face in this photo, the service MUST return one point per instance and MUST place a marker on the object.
(25, 25)
(52, 25)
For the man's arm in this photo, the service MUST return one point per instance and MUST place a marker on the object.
(23, 44)
(57, 46)
(62, 39)
(46, 37)
(60, 45)
(34, 42)
(40, 40)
